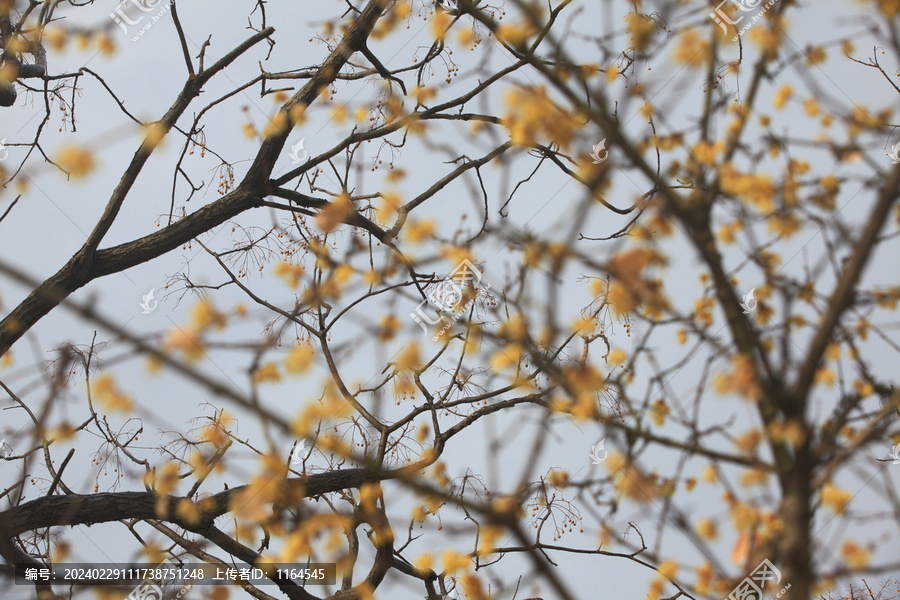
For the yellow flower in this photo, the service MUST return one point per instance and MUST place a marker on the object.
(748, 441)
(507, 357)
(691, 49)
(388, 327)
(707, 529)
(515, 34)
(745, 516)
(188, 511)
(423, 94)
(425, 561)
(811, 106)
(487, 539)
(297, 114)
(784, 225)
(204, 315)
(106, 45)
(767, 38)
(267, 373)
(817, 55)
(728, 230)
(668, 569)
(76, 161)
(277, 125)
(783, 95)
(855, 555)
(290, 272)
(300, 359)
(612, 73)
(249, 131)
(334, 213)
(742, 379)
(658, 412)
(705, 152)
(616, 357)
(787, 431)
(466, 38)
(56, 37)
(825, 376)
(558, 478)
(418, 230)
(705, 575)
(339, 114)
(633, 483)
(753, 477)
(188, 341)
(454, 561)
(533, 116)
(835, 498)
(409, 359)
(641, 29)
(105, 391)
(439, 24)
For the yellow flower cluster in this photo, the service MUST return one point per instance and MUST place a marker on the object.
(534, 118)
(756, 189)
(105, 391)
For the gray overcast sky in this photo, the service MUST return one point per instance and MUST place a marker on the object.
(146, 76)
